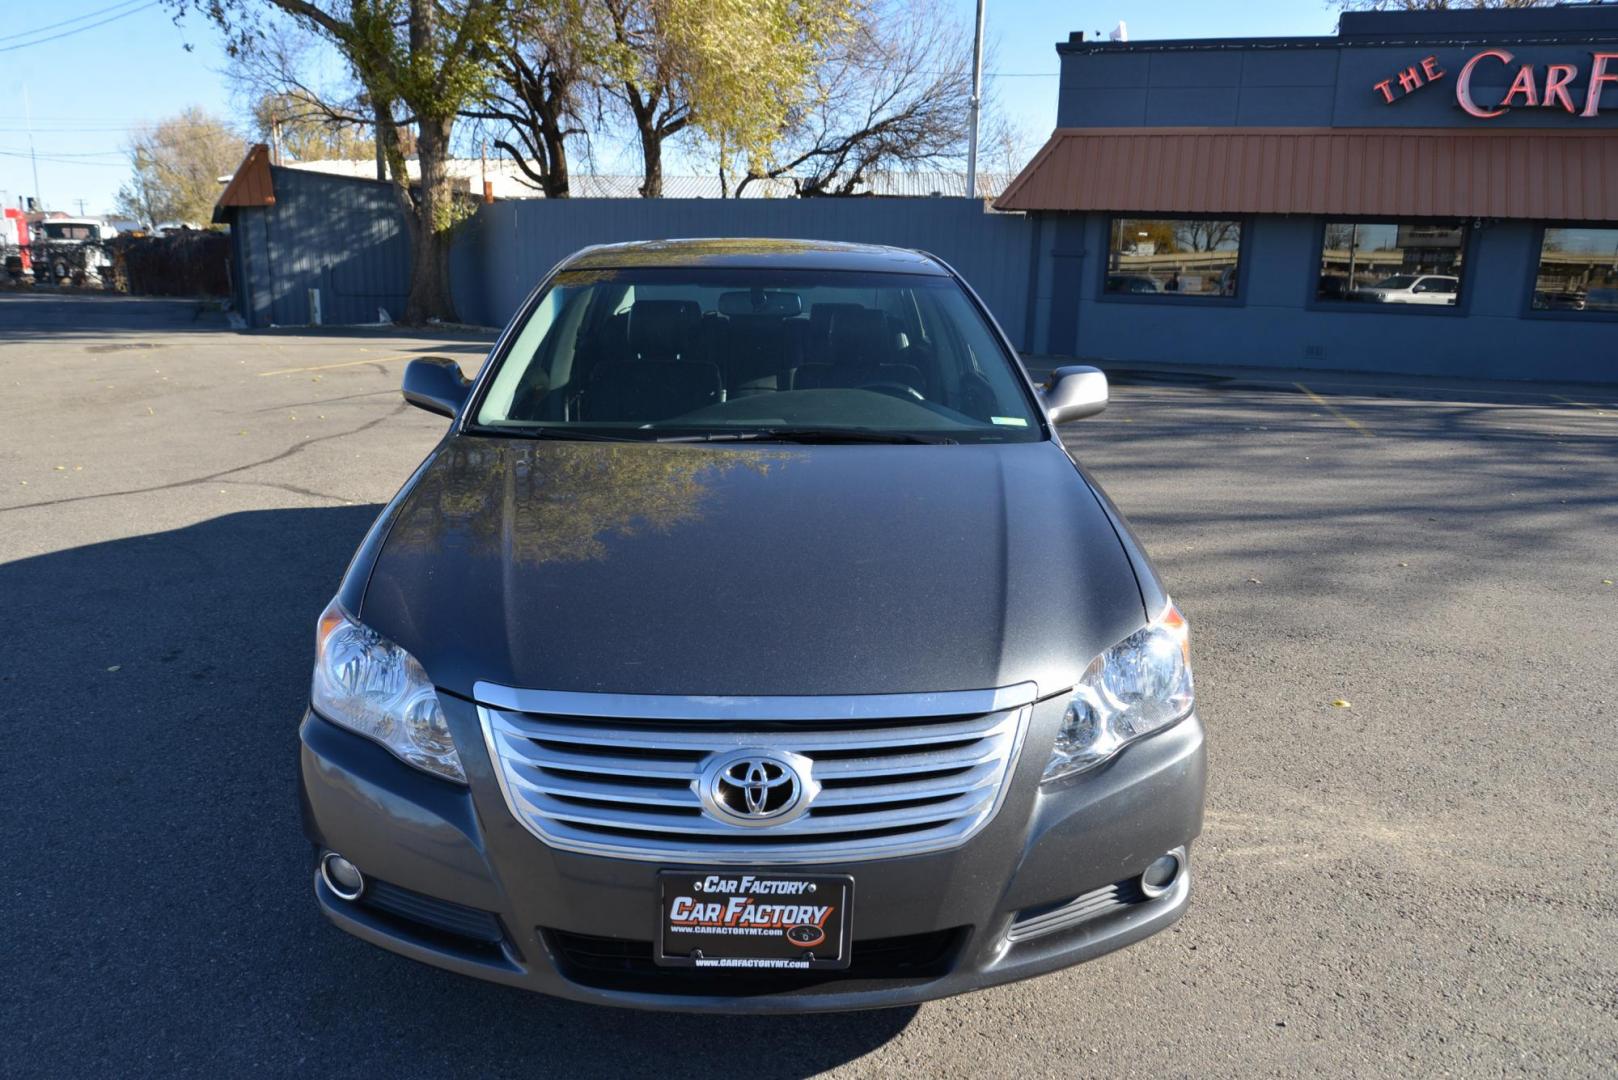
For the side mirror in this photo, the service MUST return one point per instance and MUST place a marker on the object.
(435, 383)
(1074, 393)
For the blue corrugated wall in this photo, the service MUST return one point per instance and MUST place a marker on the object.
(509, 246)
(345, 237)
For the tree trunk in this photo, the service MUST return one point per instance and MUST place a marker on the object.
(651, 152)
(556, 185)
(434, 212)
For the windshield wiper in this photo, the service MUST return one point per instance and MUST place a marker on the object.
(566, 433)
(812, 435)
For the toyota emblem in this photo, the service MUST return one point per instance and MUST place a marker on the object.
(756, 787)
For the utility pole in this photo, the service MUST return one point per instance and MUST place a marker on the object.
(28, 115)
(81, 206)
(976, 106)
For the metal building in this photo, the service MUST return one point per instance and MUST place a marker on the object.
(1431, 192)
(301, 239)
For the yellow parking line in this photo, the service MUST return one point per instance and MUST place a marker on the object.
(1599, 410)
(327, 367)
(1324, 404)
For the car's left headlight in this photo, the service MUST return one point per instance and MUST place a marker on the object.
(1140, 685)
(366, 683)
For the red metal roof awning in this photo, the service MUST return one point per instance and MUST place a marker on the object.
(252, 184)
(1409, 172)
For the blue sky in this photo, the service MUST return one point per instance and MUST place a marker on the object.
(90, 90)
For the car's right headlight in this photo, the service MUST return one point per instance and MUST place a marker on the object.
(1140, 685)
(366, 683)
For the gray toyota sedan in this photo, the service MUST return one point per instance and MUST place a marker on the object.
(751, 643)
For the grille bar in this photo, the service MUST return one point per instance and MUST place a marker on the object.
(585, 734)
(878, 784)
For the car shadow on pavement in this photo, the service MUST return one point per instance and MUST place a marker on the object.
(156, 907)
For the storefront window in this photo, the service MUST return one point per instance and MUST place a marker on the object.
(1173, 257)
(1392, 263)
(1578, 271)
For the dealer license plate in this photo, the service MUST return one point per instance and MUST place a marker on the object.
(753, 920)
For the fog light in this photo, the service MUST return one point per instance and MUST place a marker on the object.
(344, 878)
(1160, 875)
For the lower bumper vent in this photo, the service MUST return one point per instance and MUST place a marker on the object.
(624, 964)
(427, 918)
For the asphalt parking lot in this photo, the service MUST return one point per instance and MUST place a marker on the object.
(1417, 880)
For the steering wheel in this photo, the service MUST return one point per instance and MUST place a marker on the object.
(902, 391)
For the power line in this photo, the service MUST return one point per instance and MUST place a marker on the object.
(66, 161)
(72, 153)
(79, 30)
(65, 22)
(144, 127)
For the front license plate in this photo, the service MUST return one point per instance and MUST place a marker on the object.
(761, 921)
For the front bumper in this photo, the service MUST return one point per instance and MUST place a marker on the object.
(1049, 882)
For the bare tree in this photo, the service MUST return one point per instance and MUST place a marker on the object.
(643, 75)
(298, 107)
(1206, 234)
(1005, 145)
(290, 63)
(541, 64)
(892, 94)
(304, 129)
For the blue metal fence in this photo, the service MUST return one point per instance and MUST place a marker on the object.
(509, 246)
(344, 237)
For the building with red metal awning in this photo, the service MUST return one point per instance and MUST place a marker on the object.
(1428, 192)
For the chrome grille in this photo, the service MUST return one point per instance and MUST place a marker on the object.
(617, 775)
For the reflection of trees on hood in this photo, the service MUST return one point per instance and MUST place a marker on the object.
(689, 252)
(560, 502)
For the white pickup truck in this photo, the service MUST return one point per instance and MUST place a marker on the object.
(69, 251)
(1412, 289)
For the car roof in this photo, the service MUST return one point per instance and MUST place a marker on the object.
(755, 253)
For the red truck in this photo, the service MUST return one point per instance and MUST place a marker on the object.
(14, 245)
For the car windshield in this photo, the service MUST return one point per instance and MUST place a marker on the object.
(722, 353)
(1397, 281)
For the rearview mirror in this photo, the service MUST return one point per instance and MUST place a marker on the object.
(435, 383)
(776, 305)
(1074, 393)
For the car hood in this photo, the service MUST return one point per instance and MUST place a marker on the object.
(760, 569)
